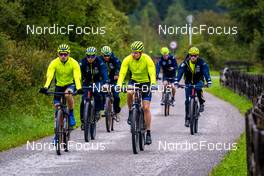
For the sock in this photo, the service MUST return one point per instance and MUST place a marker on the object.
(71, 112)
(148, 132)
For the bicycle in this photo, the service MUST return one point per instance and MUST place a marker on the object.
(167, 95)
(89, 116)
(62, 130)
(137, 121)
(194, 108)
(110, 115)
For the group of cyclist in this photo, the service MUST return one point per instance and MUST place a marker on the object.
(105, 69)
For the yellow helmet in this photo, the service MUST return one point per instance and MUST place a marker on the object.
(164, 50)
(193, 51)
(137, 46)
(63, 48)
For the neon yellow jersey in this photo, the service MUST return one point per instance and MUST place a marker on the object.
(143, 70)
(192, 66)
(65, 73)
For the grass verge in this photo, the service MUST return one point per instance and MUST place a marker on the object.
(234, 163)
(20, 124)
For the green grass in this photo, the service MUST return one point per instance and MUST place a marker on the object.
(234, 163)
(20, 124)
(214, 73)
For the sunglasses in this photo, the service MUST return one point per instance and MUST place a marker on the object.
(63, 54)
(194, 55)
(90, 56)
(106, 55)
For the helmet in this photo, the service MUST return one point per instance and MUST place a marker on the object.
(90, 51)
(193, 51)
(63, 48)
(164, 50)
(137, 46)
(106, 50)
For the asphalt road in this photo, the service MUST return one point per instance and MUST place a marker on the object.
(173, 151)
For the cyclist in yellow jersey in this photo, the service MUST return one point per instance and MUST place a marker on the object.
(68, 78)
(143, 73)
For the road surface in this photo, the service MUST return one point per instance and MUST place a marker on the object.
(173, 151)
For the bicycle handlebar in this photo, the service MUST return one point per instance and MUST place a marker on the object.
(194, 86)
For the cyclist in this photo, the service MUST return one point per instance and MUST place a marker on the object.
(169, 66)
(143, 73)
(195, 70)
(113, 65)
(68, 78)
(94, 73)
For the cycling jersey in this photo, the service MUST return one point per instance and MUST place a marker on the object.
(93, 72)
(113, 66)
(143, 69)
(201, 71)
(66, 73)
(169, 66)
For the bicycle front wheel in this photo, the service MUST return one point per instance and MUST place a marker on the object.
(167, 104)
(142, 131)
(192, 116)
(59, 131)
(134, 131)
(86, 114)
(66, 133)
(108, 115)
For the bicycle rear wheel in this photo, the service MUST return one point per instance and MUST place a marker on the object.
(142, 131)
(108, 115)
(192, 116)
(134, 132)
(59, 131)
(86, 114)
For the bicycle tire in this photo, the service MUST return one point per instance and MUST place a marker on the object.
(134, 133)
(108, 115)
(86, 114)
(142, 131)
(196, 118)
(167, 104)
(92, 122)
(59, 131)
(66, 134)
(191, 115)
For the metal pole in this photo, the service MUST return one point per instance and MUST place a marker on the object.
(190, 35)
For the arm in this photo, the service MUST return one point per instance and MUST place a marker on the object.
(103, 71)
(180, 71)
(206, 73)
(123, 72)
(158, 68)
(151, 70)
(77, 75)
(50, 74)
(175, 65)
(118, 65)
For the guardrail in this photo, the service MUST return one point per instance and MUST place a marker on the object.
(255, 138)
(251, 86)
(242, 83)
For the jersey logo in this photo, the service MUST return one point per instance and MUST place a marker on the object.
(163, 62)
(198, 68)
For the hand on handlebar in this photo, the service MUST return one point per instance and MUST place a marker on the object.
(43, 90)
